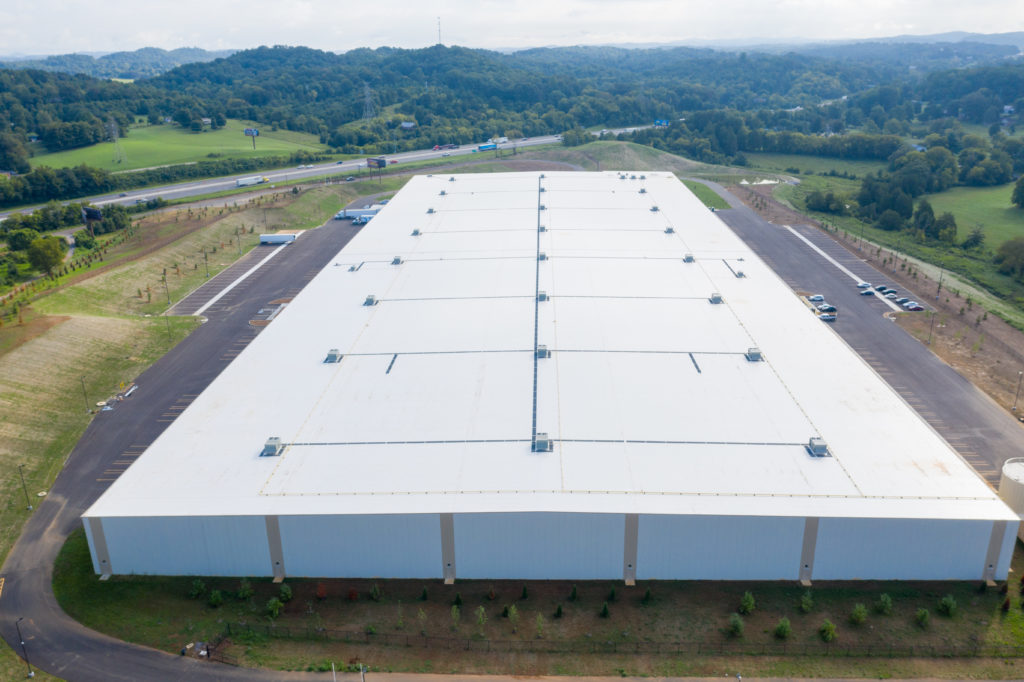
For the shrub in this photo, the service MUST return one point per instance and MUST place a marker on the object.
(783, 630)
(922, 617)
(572, 594)
(827, 631)
(370, 630)
(198, 589)
(611, 594)
(375, 593)
(458, 599)
(513, 616)
(859, 614)
(735, 626)
(216, 598)
(456, 615)
(285, 594)
(746, 604)
(321, 591)
(538, 624)
(274, 606)
(525, 594)
(558, 611)
(806, 602)
(423, 594)
(491, 595)
(421, 616)
(646, 599)
(947, 606)
(604, 610)
(884, 605)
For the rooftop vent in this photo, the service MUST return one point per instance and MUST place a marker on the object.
(543, 352)
(542, 175)
(397, 260)
(753, 355)
(643, 177)
(632, 177)
(739, 274)
(543, 189)
(654, 209)
(542, 228)
(715, 298)
(670, 230)
(688, 258)
(272, 448)
(416, 232)
(443, 193)
(451, 179)
(542, 207)
(370, 300)
(542, 296)
(430, 210)
(643, 190)
(333, 355)
(542, 443)
(622, 177)
(817, 447)
(542, 256)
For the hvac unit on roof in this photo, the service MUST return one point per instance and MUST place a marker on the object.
(370, 300)
(542, 256)
(541, 228)
(643, 190)
(272, 448)
(817, 447)
(542, 296)
(715, 298)
(542, 352)
(542, 443)
(753, 355)
(654, 209)
(397, 260)
(333, 355)
(430, 210)
(688, 258)
(670, 230)
(416, 232)
(443, 193)
(543, 189)
(451, 179)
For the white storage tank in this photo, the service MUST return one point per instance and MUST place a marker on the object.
(1011, 487)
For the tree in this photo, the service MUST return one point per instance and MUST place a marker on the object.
(974, 240)
(1018, 193)
(1010, 257)
(46, 253)
(827, 631)
(890, 221)
(735, 627)
(924, 219)
(19, 240)
(746, 604)
(945, 229)
(783, 629)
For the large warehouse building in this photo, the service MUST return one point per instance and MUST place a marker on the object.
(560, 375)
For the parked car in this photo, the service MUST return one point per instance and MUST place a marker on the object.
(881, 287)
(903, 300)
(891, 295)
(867, 292)
(349, 179)
(816, 298)
(827, 308)
(908, 303)
(915, 308)
(827, 317)
(863, 285)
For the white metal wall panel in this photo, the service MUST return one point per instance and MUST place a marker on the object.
(1006, 553)
(370, 546)
(902, 549)
(539, 546)
(188, 545)
(719, 547)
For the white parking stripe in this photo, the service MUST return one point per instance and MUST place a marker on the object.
(239, 280)
(839, 265)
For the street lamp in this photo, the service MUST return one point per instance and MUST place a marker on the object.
(1020, 375)
(85, 397)
(21, 472)
(24, 652)
(167, 289)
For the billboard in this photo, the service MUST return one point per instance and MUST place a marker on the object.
(90, 213)
(252, 132)
(379, 162)
(661, 123)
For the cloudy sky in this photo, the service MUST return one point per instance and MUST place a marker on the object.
(61, 26)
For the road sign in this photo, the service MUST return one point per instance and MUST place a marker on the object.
(252, 132)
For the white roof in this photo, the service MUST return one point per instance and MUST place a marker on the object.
(648, 397)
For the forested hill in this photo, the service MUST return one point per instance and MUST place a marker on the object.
(142, 63)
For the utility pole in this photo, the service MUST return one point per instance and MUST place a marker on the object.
(1020, 375)
(206, 261)
(21, 472)
(931, 327)
(85, 397)
(167, 289)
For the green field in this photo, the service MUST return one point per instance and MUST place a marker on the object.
(988, 207)
(812, 164)
(162, 145)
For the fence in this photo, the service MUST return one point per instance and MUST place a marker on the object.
(678, 648)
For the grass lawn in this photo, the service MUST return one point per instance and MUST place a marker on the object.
(340, 620)
(168, 144)
(812, 164)
(706, 194)
(989, 207)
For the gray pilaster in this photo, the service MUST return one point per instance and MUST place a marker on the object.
(276, 550)
(807, 551)
(448, 548)
(99, 546)
(995, 548)
(629, 550)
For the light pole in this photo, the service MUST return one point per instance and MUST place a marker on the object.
(24, 652)
(85, 397)
(206, 261)
(167, 289)
(931, 327)
(21, 472)
(1020, 375)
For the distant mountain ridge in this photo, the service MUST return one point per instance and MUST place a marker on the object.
(142, 63)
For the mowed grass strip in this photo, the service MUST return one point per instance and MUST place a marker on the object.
(167, 144)
(985, 207)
